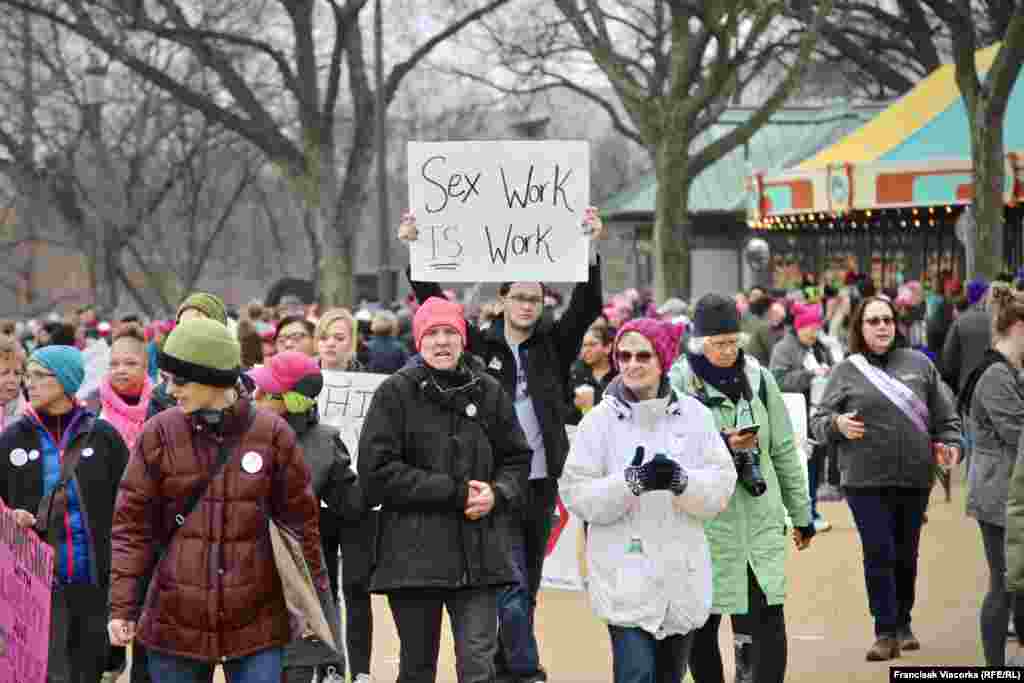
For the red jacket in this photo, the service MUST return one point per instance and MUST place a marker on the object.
(215, 593)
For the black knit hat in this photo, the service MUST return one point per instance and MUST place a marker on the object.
(715, 315)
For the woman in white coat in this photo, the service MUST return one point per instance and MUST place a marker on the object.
(646, 468)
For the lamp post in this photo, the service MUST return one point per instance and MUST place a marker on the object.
(93, 98)
(384, 293)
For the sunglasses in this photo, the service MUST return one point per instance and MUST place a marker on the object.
(625, 357)
(879, 320)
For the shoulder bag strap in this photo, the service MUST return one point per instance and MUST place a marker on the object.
(223, 455)
(56, 501)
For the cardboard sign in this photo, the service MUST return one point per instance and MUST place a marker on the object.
(499, 211)
(26, 574)
(343, 403)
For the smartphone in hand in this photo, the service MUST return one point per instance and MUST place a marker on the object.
(749, 429)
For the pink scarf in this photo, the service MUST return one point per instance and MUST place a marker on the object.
(126, 419)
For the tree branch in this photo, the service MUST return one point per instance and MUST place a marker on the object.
(742, 133)
(400, 70)
(267, 138)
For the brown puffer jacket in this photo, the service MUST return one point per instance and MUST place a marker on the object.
(216, 593)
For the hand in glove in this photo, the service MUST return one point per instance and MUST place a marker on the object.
(660, 474)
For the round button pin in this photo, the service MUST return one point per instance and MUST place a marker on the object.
(19, 457)
(252, 462)
(87, 452)
(33, 454)
(471, 410)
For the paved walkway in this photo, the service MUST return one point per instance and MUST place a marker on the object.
(826, 614)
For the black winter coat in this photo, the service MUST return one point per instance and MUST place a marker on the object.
(418, 448)
(97, 478)
(550, 352)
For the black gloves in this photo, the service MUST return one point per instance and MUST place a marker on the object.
(660, 474)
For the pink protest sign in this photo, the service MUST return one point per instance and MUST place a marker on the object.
(26, 574)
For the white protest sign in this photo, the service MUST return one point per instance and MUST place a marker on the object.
(343, 403)
(498, 211)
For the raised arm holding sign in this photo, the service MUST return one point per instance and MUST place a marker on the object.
(526, 350)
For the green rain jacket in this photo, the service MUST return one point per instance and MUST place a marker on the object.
(752, 530)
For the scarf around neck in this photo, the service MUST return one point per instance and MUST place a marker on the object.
(729, 381)
(125, 417)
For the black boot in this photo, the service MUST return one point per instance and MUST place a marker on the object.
(744, 662)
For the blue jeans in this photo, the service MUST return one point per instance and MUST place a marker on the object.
(261, 667)
(814, 466)
(889, 521)
(518, 651)
(529, 530)
(637, 657)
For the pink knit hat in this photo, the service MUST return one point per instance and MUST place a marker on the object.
(805, 316)
(663, 335)
(437, 311)
(289, 371)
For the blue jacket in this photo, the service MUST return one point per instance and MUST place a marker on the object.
(82, 552)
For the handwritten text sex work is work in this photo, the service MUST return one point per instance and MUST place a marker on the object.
(496, 211)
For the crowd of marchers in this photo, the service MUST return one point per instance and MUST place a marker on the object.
(154, 455)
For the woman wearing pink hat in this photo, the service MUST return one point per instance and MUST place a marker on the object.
(801, 362)
(646, 469)
(288, 385)
(442, 452)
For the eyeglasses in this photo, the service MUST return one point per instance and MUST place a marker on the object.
(523, 300)
(626, 357)
(725, 345)
(36, 376)
(879, 320)
(293, 337)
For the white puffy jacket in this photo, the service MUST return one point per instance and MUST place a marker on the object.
(666, 590)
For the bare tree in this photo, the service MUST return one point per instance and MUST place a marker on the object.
(120, 173)
(281, 68)
(986, 97)
(665, 71)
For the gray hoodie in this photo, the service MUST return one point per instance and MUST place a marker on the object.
(997, 418)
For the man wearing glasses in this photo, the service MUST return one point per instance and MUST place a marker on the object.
(531, 355)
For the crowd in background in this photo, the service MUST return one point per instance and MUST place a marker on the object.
(849, 350)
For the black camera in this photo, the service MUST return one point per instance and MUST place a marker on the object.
(748, 470)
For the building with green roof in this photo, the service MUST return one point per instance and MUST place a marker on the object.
(718, 198)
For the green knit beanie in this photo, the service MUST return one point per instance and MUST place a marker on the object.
(208, 304)
(202, 351)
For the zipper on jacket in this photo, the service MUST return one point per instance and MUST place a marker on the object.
(464, 579)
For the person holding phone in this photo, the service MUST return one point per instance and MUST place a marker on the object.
(889, 418)
(748, 542)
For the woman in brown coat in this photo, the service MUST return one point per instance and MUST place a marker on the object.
(215, 596)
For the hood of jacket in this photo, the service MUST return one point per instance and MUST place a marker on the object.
(626, 407)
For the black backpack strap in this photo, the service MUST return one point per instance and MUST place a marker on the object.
(762, 391)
